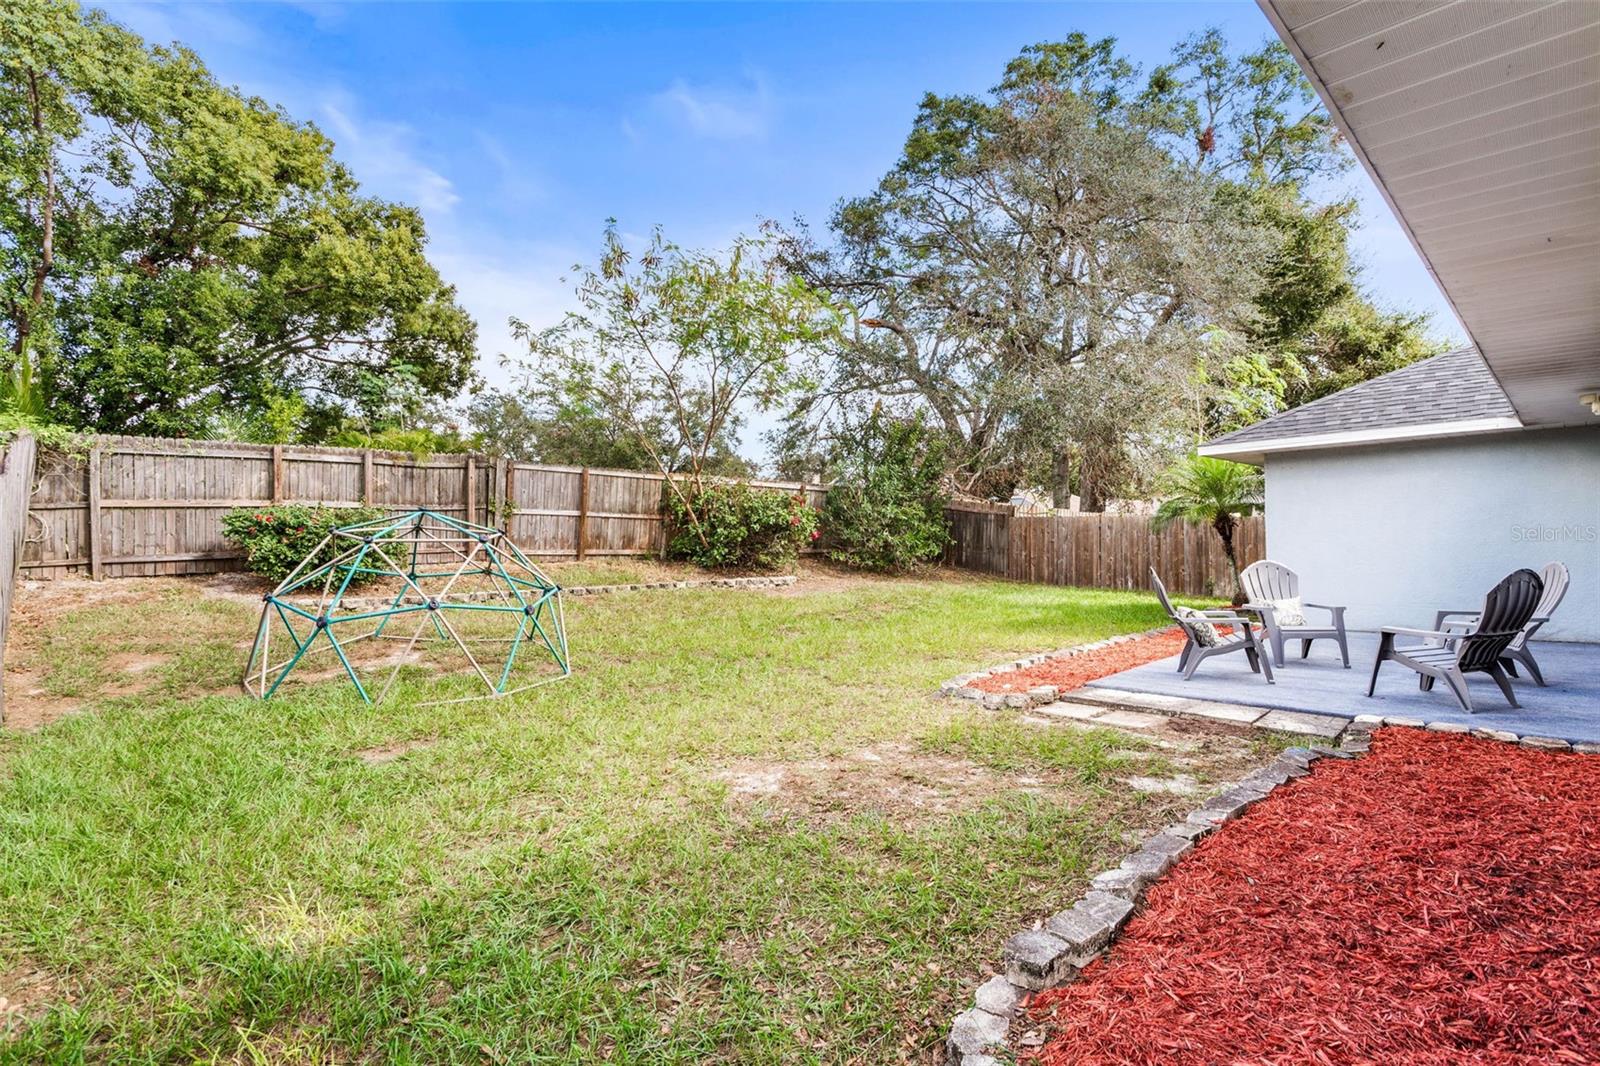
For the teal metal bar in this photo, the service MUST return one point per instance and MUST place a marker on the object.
(489, 580)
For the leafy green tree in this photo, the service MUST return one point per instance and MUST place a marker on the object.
(171, 250)
(1255, 120)
(886, 502)
(1216, 492)
(671, 346)
(558, 421)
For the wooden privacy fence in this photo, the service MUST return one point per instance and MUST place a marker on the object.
(16, 479)
(1098, 550)
(140, 507)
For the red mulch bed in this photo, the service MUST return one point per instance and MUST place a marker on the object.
(1436, 901)
(1075, 671)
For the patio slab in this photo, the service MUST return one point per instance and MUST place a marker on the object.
(1568, 709)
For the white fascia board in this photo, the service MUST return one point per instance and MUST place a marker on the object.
(1251, 451)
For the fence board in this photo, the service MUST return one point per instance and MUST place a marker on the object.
(154, 506)
(16, 485)
(1097, 550)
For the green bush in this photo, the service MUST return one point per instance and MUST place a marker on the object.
(275, 539)
(886, 506)
(733, 525)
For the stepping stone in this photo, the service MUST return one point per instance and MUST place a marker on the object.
(1130, 720)
(1181, 785)
(1315, 725)
(1225, 712)
(1124, 698)
(1083, 712)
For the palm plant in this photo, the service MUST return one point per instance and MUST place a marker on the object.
(21, 394)
(1214, 491)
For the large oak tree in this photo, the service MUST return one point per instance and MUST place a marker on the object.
(1080, 271)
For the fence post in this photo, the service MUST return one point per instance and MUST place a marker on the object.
(16, 490)
(497, 489)
(277, 473)
(96, 567)
(510, 504)
(472, 490)
(583, 511)
(366, 477)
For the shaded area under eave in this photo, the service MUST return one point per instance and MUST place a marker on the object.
(1568, 708)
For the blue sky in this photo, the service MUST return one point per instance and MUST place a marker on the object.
(519, 129)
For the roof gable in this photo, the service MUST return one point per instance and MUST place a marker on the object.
(1443, 395)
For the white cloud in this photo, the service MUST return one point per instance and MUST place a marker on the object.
(200, 26)
(725, 113)
(383, 156)
(525, 282)
(517, 183)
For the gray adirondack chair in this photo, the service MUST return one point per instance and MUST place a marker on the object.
(1556, 578)
(1449, 655)
(1197, 651)
(1267, 582)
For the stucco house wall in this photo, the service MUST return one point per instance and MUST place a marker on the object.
(1396, 531)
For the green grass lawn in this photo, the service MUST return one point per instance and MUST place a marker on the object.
(741, 832)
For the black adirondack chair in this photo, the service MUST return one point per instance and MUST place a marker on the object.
(1556, 578)
(1451, 654)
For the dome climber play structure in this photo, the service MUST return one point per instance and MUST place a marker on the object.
(419, 589)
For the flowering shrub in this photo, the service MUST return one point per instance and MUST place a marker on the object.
(734, 525)
(276, 538)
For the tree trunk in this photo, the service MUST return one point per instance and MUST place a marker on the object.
(47, 220)
(1061, 478)
(1224, 526)
(1091, 499)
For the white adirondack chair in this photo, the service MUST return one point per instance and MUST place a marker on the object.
(1267, 585)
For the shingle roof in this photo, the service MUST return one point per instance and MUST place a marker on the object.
(1454, 386)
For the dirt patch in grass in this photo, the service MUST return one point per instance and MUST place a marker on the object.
(892, 780)
(26, 993)
(135, 663)
(43, 606)
(238, 585)
(30, 706)
(382, 753)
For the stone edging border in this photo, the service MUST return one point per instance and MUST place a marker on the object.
(1052, 951)
(961, 687)
(782, 581)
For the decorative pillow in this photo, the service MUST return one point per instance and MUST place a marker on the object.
(1204, 633)
(1290, 612)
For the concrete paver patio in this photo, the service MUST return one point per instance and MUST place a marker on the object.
(1568, 709)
